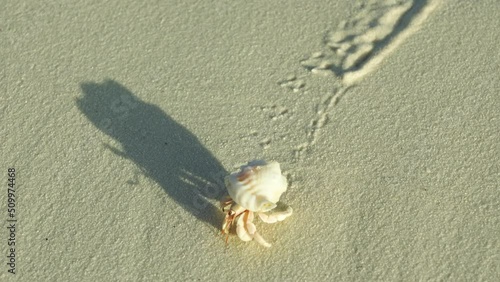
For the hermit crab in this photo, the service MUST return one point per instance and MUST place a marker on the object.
(255, 188)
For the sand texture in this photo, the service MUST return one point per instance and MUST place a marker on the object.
(121, 119)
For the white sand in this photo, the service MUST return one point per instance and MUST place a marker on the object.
(122, 118)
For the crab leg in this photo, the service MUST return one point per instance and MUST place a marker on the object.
(261, 240)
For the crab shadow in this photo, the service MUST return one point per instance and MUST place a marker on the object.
(163, 149)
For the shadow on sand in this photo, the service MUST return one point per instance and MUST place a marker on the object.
(163, 149)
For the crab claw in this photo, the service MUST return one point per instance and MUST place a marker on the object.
(275, 216)
(247, 231)
(241, 228)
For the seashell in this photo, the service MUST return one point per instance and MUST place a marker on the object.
(257, 186)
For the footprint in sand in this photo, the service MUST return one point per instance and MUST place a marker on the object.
(355, 48)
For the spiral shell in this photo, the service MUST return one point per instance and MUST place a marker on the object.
(257, 186)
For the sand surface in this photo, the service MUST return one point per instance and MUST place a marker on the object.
(121, 118)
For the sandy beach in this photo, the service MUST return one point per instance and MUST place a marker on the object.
(120, 120)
